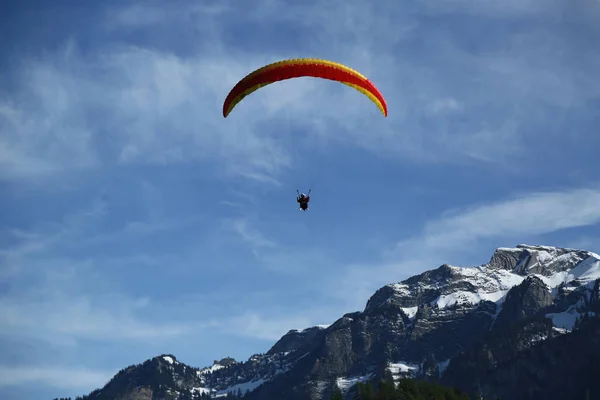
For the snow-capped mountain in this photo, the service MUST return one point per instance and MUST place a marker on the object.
(469, 327)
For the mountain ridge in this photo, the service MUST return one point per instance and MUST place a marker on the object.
(428, 326)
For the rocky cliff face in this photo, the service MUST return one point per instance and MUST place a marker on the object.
(471, 327)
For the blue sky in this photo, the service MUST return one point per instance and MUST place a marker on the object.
(136, 220)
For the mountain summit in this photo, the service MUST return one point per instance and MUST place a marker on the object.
(475, 328)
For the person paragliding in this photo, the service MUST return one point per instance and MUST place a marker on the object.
(303, 200)
(297, 68)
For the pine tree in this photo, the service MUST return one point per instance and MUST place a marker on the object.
(357, 391)
(595, 294)
(386, 390)
(368, 392)
(337, 394)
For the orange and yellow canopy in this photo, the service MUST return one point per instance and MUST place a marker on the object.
(301, 67)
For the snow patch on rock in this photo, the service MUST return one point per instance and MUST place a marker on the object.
(345, 383)
(403, 369)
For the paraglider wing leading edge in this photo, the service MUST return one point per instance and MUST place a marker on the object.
(303, 67)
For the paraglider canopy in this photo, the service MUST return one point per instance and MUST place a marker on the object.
(301, 67)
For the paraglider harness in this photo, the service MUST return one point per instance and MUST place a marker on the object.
(303, 200)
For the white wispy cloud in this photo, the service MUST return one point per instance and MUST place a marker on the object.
(153, 13)
(64, 318)
(23, 244)
(252, 236)
(511, 8)
(55, 304)
(444, 105)
(160, 107)
(61, 377)
(29, 251)
(50, 297)
(150, 101)
(529, 214)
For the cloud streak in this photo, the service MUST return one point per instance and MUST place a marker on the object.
(160, 107)
(531, 214)
(148, 100)
(249, 235)
(74, 378)
(65, 318)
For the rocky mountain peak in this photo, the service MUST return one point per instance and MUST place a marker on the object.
(225, 362)
(166, 359)
(438, 275)
(450, 285)
(534, 259)
(296, 339)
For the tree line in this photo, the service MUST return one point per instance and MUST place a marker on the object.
(406, 389)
